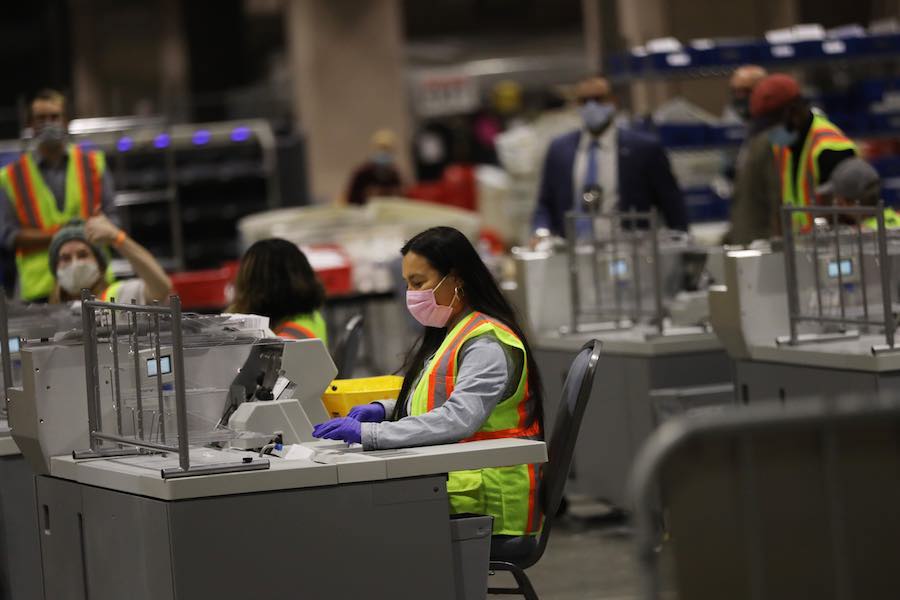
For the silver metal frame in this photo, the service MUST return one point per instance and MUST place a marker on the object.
(89, 313)
(795, 314)
(632, 238)
(740, 421)
(5, 355)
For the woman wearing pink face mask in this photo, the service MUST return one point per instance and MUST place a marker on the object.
(470, 377)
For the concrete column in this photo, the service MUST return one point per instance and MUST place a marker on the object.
(640, 21)
(120, 70)
(593, 36)
(347, 61)
(173, 61)
(85, 77)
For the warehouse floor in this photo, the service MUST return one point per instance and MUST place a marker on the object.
(590, 557)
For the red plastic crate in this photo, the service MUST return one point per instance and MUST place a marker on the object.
(332, 267)
(204, 290)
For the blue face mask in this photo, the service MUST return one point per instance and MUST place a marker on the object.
(383, 159)
(597, 116)
(780, 136)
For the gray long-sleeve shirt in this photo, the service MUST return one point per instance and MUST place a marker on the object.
(489, 371)
(55, 178)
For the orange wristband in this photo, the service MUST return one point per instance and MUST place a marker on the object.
(120, 239)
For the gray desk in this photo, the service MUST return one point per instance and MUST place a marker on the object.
(20, 554)
(363, 525)
(836, 368)
(619, 416)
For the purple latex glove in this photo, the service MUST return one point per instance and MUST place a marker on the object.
(367, 413)
(344, 428)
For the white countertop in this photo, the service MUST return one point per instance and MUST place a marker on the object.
(141, 475)
(852, 354)
(636, 341)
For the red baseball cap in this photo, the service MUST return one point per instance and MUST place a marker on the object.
(772, 94)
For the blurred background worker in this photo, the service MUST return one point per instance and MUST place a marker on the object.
(755, 195)
(77, 258)
(379, 175)
(856, 183)
(630, 168)
(808, 146)
(275, 280)
(51, 184)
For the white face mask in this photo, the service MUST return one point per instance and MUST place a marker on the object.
(77, 276)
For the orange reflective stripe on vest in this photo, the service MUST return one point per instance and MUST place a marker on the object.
(23, 188)
(88, 173)
(293, 331)
(534, 507)
(449, 367)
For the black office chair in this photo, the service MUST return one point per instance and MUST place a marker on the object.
(348, 347)
(517, 554)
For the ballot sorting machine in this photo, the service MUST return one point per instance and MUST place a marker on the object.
(20, 574)
(819, 317)
(621, 266)
(150, 428)
(619, 277)
(160, 445)
(847, 264)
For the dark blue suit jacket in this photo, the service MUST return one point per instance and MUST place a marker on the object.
(645, 180)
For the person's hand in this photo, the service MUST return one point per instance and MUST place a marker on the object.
(344, 429)
(100, 230)
(367, 413)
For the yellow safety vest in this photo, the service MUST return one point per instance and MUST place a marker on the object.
(111, 292)
(801, 191)
(509, 494)
(36, 208)
(891, 220)
(302, 327)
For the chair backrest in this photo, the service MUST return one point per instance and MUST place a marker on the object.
(774, 501)
(573, 402)
(348, 347)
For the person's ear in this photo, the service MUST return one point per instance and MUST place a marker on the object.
(458, 284)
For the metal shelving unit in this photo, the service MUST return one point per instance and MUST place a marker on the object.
(181, 188)
(860, 54)
(708, 58)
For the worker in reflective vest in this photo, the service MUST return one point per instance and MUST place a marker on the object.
(807, 146)
(472, 377)
(78, 260)
(275, 280)
(45, 188)
(856, 183)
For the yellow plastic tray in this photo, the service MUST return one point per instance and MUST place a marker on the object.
(344, 394)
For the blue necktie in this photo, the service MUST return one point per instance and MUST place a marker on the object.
(584, 228)
(592, 175)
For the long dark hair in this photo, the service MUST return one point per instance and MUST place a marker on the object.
(276, 280)
(448, 251)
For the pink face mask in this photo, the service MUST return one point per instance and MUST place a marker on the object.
(425, 309)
